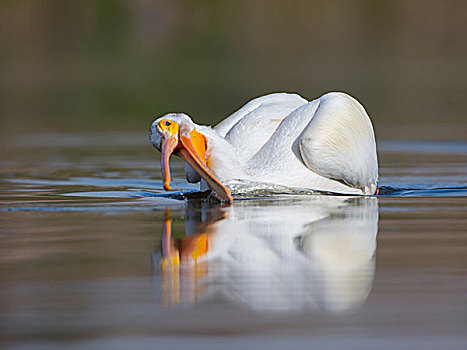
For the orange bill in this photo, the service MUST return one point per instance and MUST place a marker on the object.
(189, 154)
(167, 147)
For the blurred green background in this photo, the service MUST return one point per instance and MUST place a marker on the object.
(116, 65)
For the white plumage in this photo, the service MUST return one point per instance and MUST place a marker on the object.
(327, 144)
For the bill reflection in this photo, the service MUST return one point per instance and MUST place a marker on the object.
(314, 253)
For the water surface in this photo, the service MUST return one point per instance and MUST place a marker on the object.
(94, 254)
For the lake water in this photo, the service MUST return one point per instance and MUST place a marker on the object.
(94, 254)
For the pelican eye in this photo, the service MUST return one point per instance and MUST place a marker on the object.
(167, 123)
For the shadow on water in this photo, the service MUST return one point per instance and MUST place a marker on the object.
(314, 253)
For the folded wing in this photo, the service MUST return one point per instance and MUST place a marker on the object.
(252, 126)
(249, 128)
(339, 143)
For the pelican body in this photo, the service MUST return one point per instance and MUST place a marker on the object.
(327, 144)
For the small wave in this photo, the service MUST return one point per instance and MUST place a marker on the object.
(245, 189)
(241, 188)
(422, 191)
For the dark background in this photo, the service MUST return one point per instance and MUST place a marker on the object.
(117, 65)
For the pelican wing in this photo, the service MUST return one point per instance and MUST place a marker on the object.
(249, 128)
(270, 101)
(252, 126)
(339, 143)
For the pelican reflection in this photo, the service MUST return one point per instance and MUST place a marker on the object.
(280, 254)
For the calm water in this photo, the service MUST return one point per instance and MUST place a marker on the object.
(89, 245)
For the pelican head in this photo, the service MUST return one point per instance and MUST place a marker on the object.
(176, 133)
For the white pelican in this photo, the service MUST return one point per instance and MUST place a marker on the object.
(327, 144)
